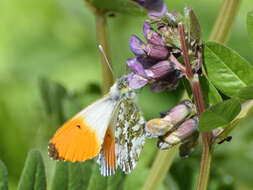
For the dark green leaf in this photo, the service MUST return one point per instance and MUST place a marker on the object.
(122, 6)
(246, 93)
(210, 94)
(60, 179)
(115, 182)
(97, 182)
(33, 176)
(226, 69)
(72, 176)
(250, 26)
(192, 24)
(3, 177)
(52, 95)
(219, 115)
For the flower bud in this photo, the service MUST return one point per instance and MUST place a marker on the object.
(136, 45)
(157, 52)
(178, 113)
(152, 36)
(161, 126)
(136, 81)
(160, 69)
(156, 8)
(136, 66)
(182, 134)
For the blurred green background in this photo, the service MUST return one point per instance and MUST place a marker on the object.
(54, 40)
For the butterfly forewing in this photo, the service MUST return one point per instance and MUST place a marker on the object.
(129, 134)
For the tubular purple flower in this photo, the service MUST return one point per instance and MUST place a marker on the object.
(136, 66)
(160, 69)
(136, 81)
(157, 52)
(137, 46)
(156, 8)
(156, 14)
(152, 36)
(168, 82)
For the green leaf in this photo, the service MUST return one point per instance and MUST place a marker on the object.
(250, 26)
(226, 69)
(60, 179)
(33, 176)
(219, 115)
(192, 24)
(3, 177)
(53, 94)
(246, 93)
(210, 93)
(72, 176)
(97, 182)
(122, 6)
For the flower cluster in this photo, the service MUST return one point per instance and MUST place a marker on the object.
(176, 126)
(168, 37)
(156, 59)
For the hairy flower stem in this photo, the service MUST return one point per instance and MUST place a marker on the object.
(102, 38)
(200, 105)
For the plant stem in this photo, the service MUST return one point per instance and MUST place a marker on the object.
(200, 105)
(101, 30)
(219, 33)
(225, 20)
(162, 164)
(102, 38)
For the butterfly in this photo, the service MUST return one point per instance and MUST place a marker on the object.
(110, 129)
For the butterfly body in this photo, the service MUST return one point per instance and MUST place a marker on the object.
(111, 128)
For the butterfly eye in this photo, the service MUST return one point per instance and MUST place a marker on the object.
(78, 126)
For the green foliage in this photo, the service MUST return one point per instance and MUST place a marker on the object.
(98, 182)
(3, 177)
(210, 93)
(220, 114)
(33, 176)
(226, 69)
(72, 176)
(52, 94)
(246, 93)
(122, 6)
(250, 26)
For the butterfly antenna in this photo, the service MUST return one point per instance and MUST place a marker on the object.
(106, 60)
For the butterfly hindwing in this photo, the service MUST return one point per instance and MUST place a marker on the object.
(129, 135)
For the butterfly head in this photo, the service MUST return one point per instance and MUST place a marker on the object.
(121, 89)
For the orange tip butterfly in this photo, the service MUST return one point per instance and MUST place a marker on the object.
(111, 129)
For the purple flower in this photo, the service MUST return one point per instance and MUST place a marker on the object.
(137, 46)
(168, 82)
(136, 66)
(160, 69)
(152, 36)
(157, 52)
(136, 81)
(156, 8)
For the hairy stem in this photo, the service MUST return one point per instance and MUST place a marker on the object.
(225, 20)
(162, 164)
